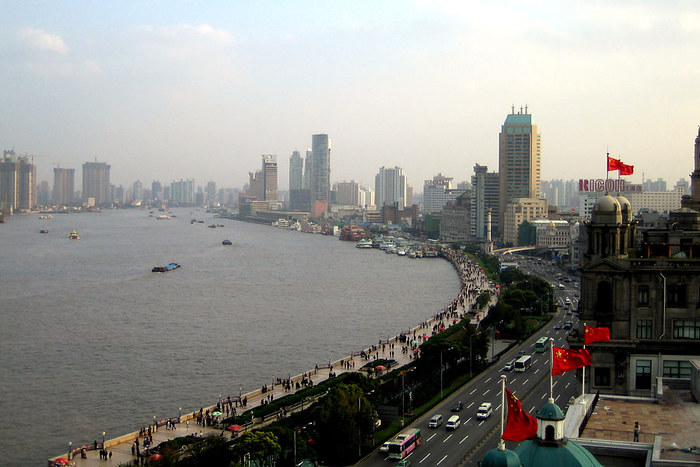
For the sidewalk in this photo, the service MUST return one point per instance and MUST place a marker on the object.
(121, 446)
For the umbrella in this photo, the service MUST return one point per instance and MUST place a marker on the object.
(425, 336)
(155, 457)
(61, 460)
(380, 367)
(216, 414)
(234, 427)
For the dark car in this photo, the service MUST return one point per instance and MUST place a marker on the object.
(457, 406)
(557, 326)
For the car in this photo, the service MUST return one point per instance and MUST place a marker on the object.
(457, 406)
(568, 325)
(435, 421)
(385, 447)
(452, 423)
(557, 327)
(521, 353)
(509, 366)
(403, 463)
(484, 411)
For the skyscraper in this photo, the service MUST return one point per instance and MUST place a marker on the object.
(296, 171)
(211, 193)
(518, 160)
(306, 181)
(17, 183)
(96, 182)
(63, 186)
(320, 174)
(269, 171)
(437, 192)
(485, 187)
(390, 187)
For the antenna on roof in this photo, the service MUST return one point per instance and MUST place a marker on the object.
(512, 109)
(525, 109)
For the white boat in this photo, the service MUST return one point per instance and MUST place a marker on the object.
(364, 243)
(400, 251)
(163, 217)
(391, 249)
(282, 223)
(74, 235)
(411, 254)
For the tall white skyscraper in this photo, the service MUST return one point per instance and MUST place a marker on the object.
(390, 187)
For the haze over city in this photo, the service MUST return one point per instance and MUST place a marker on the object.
(172, 90)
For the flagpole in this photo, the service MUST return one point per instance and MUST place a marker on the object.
(583, 380)
(607, 165)
(501, 443)
(551, 370)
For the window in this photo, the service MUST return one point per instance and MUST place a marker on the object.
(643, 373)
(676, 295)
(676, 369)
(642, 295)
(686, 329)
(643, 329)
(601, 377)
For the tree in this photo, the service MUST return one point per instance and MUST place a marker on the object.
(261, 447)
(343, 419)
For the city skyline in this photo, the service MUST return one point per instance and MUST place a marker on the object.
(200, 92)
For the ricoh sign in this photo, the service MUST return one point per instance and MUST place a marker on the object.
(609, 185)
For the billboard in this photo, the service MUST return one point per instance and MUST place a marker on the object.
(607, 185)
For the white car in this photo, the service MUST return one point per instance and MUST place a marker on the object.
(484, 411)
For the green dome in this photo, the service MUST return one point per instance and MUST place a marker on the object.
(533, 454)
(550, 412)
(497, 458)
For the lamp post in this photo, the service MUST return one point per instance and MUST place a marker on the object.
(359, 422)
(441, 369)
(103, 440)
(70, 450)
(179, 414)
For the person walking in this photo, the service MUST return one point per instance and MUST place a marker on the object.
(636, 431)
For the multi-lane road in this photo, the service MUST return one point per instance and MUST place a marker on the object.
(468, 444)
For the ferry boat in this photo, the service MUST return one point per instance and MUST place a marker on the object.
(364, 243)
(74, 235)
(166, 268)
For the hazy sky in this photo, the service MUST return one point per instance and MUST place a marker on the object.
(200, 89)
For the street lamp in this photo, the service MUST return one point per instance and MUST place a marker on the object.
(359, 423)
(103, 440)
(179, 414)
(70, 450)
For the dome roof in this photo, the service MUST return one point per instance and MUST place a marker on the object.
(607, 210)
(626, 208)
(550, 412)
(571, 454)
(498, 458)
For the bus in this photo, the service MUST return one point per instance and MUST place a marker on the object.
(542, 344)
(404, 444)
(523, 363)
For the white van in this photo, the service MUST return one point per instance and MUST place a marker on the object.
(484, 411)
(435, 421)
(452, 423)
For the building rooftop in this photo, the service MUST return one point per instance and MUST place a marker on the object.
(675, 419)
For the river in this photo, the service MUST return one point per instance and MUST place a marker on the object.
(91, 340)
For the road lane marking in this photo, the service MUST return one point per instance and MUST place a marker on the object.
(513, 380)
(567, 385)
(487, 391)
(525, 382)
(481, 422)
(531, 409)
(554, 384)
(431, 437)
(464, 439)
(424, 458)
(499, 406)
(487, 380)
(447, 438)
(473, 391)
(441, 460)
(537, 370)
(470, 405)
(468, 420)
(543, 395)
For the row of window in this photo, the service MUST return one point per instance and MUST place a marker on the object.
(675, 295)
(671, 369)
(682, 329)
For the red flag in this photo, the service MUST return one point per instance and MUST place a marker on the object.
(613, 164)
(568, 359)
(626, 169)
(592, 335)
(520, 425)
(616, 164)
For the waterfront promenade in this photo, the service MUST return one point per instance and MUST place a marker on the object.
(473, 282)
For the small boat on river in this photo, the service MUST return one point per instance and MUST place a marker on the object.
(226, 242)
(166, 268)
(74, 235)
